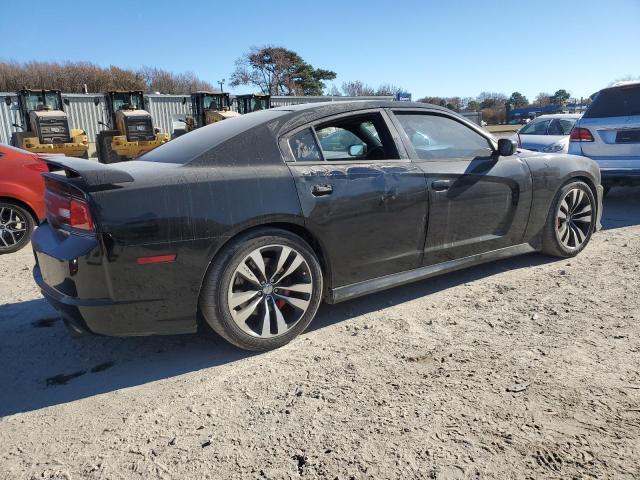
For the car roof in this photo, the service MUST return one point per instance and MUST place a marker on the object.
(298, 115)
(560, 115)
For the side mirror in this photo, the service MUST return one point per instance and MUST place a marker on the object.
(96, 101)
(65, 101)
(357, 150)
(507, 147)
(7, 100)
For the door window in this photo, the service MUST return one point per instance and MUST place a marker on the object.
(304, 147)
(357, 138)
(436, 137)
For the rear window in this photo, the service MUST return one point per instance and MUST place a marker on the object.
(193, 144)
(615, 102)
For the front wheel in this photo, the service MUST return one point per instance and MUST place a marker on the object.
(571, 220)
(262, 290)
(16, 225)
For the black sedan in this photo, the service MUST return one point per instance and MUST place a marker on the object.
(250, 223)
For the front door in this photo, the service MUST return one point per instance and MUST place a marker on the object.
(365, 203)
(478, 201)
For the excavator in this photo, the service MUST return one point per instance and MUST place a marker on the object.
(252, 102)
(129, 130)
(45, 126)
(206, 108)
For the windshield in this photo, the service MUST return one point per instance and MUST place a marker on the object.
(615, 102)
(126, 101)
(537, 127)
(38, 101)
(213, 102)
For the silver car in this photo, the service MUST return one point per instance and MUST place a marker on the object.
(547, 133)
(609, 133)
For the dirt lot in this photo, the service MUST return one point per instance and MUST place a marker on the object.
(526, 368)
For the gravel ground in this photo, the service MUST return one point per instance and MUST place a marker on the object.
(525, 368)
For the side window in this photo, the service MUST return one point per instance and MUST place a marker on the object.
(304, 147)
(357, 137)
(555, 128)
(566, 126)
(437, 137)
(361, 137)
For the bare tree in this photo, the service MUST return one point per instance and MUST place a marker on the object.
(542, 99)
(72, 76)
(357, 89)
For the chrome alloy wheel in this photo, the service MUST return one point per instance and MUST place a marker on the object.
(13, 227)
(574, 218)
(270, 291)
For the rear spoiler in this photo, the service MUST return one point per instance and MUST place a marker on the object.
(91, 173)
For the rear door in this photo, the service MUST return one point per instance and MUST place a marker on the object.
(614, 122)
(478, 201)
(360, 194)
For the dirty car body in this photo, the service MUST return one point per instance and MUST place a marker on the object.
(375, 220)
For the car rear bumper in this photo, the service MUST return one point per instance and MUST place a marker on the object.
(72, 276)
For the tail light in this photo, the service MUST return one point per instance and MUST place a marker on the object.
(66, 207)
(580, 135)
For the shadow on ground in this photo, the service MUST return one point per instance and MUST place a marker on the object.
(621, 208)
(42, 365)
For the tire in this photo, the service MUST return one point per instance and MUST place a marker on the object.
(568, 237)
(16, 226)
(105, 152)
(287, 261)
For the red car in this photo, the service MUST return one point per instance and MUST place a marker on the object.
(21, 196)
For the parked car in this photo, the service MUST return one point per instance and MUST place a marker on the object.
(609, 133)
(248, 223)
(547, 133)
(21, 196)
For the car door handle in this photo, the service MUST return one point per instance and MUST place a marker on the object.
(320, 190)
(441, 185)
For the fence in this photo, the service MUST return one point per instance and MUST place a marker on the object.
(165, 110)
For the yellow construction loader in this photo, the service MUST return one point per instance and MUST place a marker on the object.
(206, 108)
(45, 126)
(129, 131)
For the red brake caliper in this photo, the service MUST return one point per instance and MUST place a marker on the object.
(282, 303)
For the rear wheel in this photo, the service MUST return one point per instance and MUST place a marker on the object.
(105, 152)
(16, 225)
(263, 290)
(571, 220)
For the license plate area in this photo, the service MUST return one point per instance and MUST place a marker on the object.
(628, 136)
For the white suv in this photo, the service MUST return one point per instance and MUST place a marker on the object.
(609, 133)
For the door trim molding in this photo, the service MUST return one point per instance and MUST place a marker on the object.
(347, 292)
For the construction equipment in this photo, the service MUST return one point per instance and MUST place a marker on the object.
(252, 102)
(129, 131)
(206, 108)
(45, 125)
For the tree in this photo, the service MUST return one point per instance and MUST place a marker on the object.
(279, 71)
(472, 106)
(334, 91)
(542, 99)
(357, 88)
(73, 76)
(387, 89)
(560, 97)
(517, 100)
(491, 99)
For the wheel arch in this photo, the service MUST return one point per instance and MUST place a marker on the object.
(22, 204)
(297, 229)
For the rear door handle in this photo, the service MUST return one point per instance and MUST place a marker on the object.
(320, 190)
(441, 185)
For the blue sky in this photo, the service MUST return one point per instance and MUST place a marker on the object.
(438, 48)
